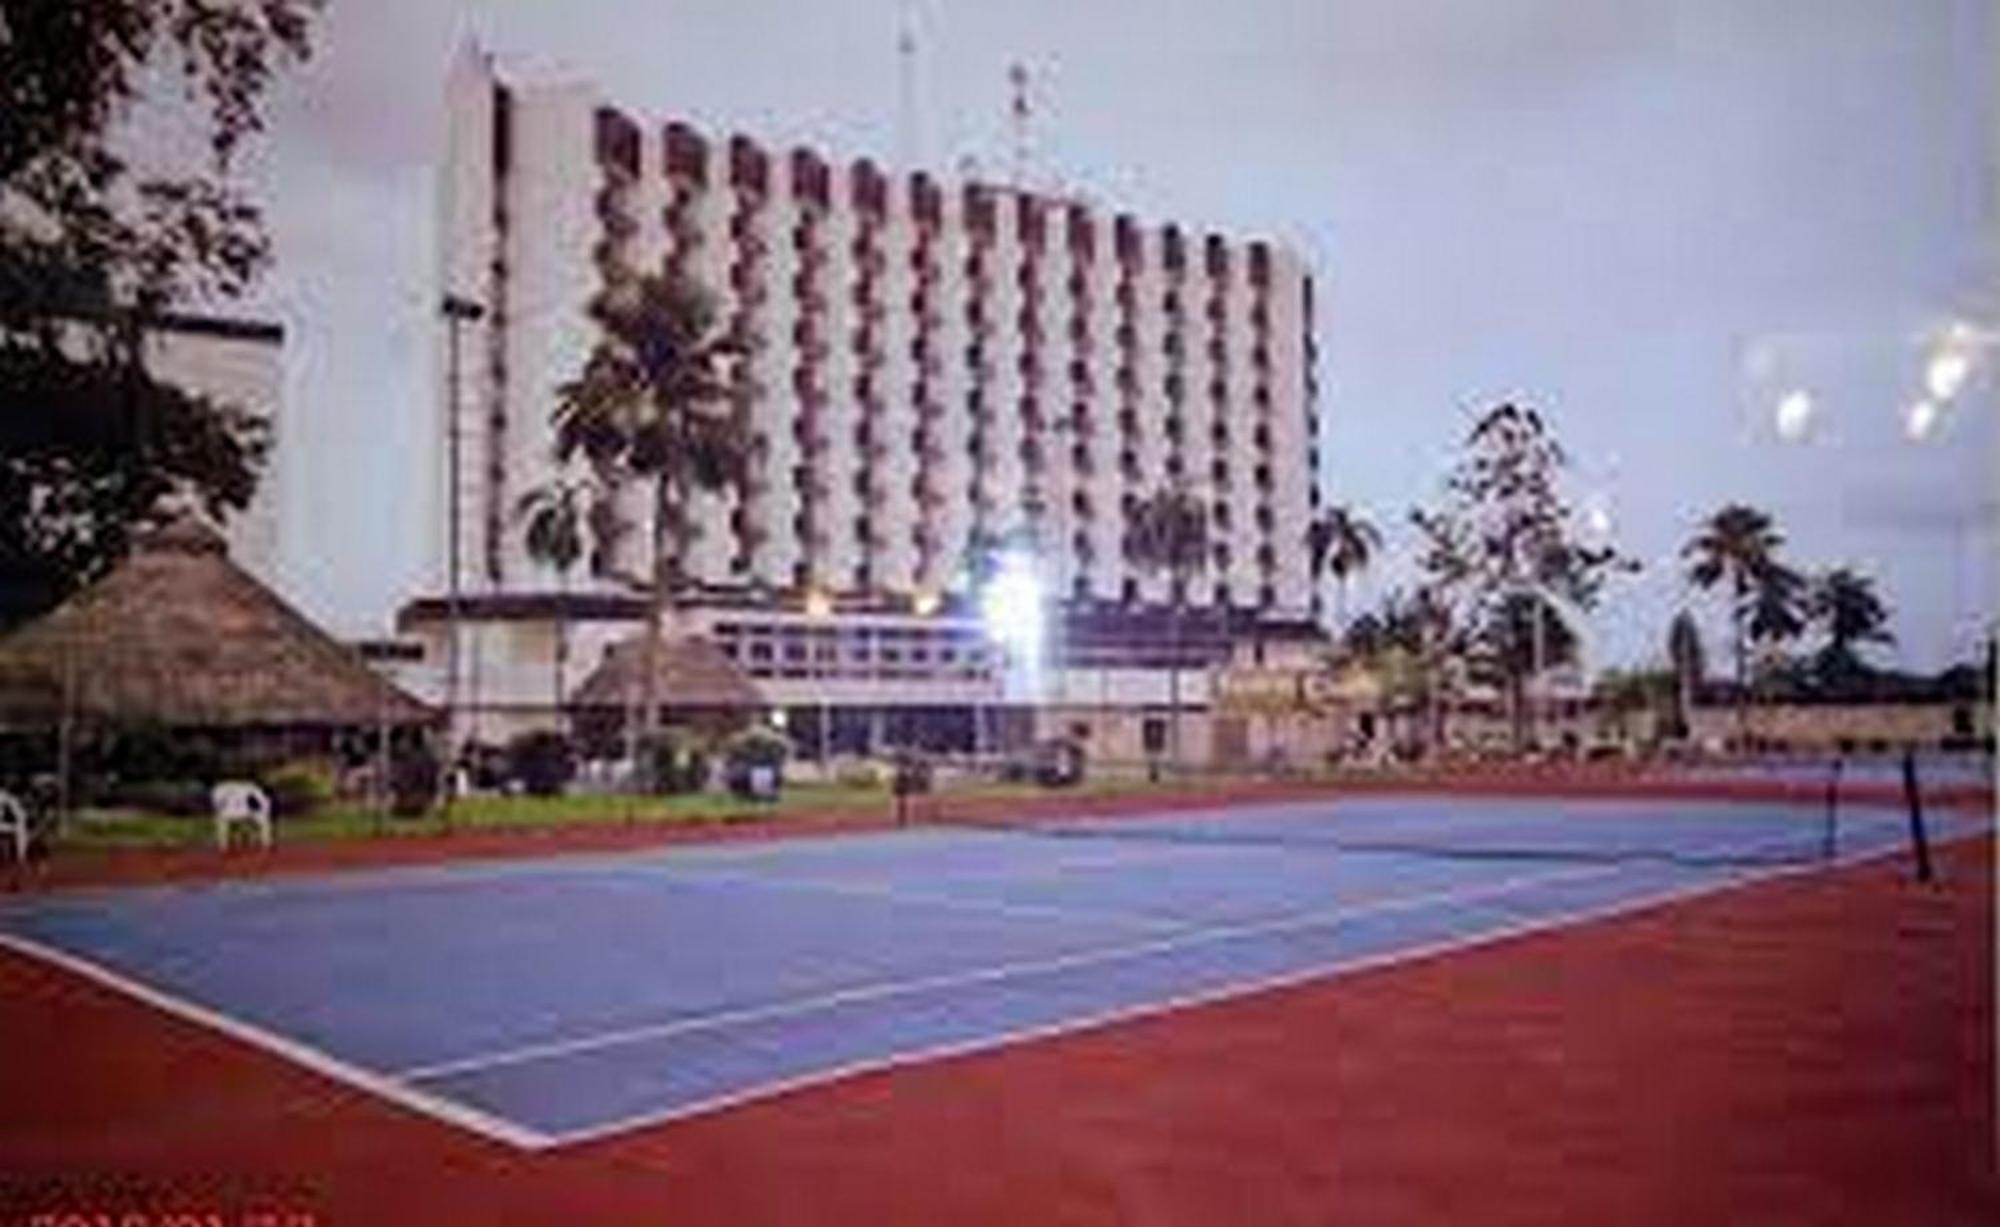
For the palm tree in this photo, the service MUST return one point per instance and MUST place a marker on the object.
(558, 516)
(1845, 603)
(654, 403)
(1168, 532)
(1340, 541)
(1737, 545)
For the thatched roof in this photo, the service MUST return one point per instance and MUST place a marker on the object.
(692, 672)
(176, 634)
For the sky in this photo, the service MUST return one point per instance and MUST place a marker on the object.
(1648, 221)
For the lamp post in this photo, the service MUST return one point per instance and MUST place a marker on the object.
(457, 311)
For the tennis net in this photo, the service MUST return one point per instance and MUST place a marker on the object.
(1696, 834)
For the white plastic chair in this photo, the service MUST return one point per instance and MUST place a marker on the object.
(240, 801)
(14, 824)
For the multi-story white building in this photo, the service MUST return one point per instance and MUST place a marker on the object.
(927, 360)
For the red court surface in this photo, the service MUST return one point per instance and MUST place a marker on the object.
(1816, 1049)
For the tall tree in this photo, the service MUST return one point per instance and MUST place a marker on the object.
(93, 248)
(1690, 665)
(1848, 610)
(1341, 543)
(1522, 637)
(1167, 532)
(1502, 546)
(655, 404)
(1417, 649)
(1737, 547)
(557, 531)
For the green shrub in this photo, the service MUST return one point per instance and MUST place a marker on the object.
(414, 777)
(299, 787)
(155, 752)
(543, 761)
(758, 746)
(679, 762)
(1059, 763)
(753, 748)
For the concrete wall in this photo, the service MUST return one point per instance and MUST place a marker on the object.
(1824, 726)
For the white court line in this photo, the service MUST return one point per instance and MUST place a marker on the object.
(525, 1138)
(437, 1107)
(1187, 938)
(1166, 1005)
(1317, 918)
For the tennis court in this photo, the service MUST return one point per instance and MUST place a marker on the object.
(552, 1001)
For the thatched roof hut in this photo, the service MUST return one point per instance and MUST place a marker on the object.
(692, 675)
(177, 635)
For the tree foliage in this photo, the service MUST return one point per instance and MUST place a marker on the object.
(94, 246)
(1845, 606)
(1503, 554)
(657, 402)
(1167, 532)
(1737, 549)
(1341, 542)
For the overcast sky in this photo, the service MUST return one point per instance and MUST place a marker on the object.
(1647, 220)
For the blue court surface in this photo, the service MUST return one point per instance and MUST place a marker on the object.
(554, 1000)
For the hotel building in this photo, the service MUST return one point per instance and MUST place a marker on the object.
(928, 362)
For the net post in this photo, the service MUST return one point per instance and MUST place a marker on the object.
(1830, 835)
(1919, 841)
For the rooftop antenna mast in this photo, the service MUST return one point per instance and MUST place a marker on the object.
(1019, 113)
(909, 150)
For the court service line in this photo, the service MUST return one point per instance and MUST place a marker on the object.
(450, 1111)
(1711, 883)
(998, 973)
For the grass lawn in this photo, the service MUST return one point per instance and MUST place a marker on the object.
(123, 828)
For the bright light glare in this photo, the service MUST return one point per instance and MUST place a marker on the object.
(1946, 373)
(1012, 603)
(924, 603)
(818, 604)
(1920, 419)
(1598, 521)
(1794, 414)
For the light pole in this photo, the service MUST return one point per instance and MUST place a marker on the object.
(457, 311)
(819, 613)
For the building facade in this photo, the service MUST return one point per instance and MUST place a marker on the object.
(927, 363)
